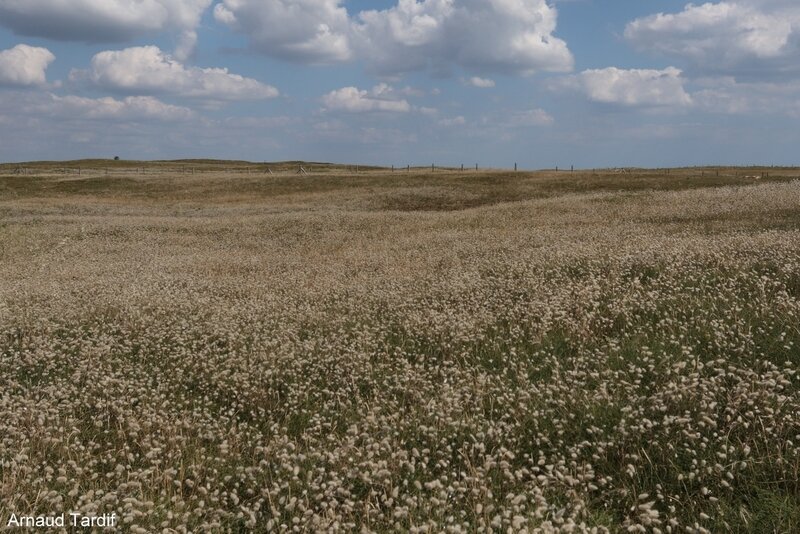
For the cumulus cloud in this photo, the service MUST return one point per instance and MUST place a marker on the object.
(740, 55)
(483, 83)
(727, 35)
(668, 88)
(531, 117)
(452, 121)
(24, 65)
(632, 87)
(353, 100)
(97, 21)
(312, 31)
(186, 45)
(132, 108)
(513, 36)
(728, 96)
(47, 126)
(149, 70)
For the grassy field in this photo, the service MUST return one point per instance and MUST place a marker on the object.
(234, 351)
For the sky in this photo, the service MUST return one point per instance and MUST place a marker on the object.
(589, 83)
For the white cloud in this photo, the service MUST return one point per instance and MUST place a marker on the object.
(96, 21)
(483, 83)
(133, 108)
(147, 69)
(740, 55)
(130, 108)
(47, 126)
(727, 96)
(186, 45)
(24, 65)
(514, 36)
(725, 35)
(381, 98)
(259, 123)
(633, 87)
(667, 88)
(451, 122)
(410, 91)
(531, 117)
(313, 31)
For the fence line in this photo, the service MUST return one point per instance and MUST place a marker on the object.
(747, 172)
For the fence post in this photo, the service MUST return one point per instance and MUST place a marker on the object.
(515, 167)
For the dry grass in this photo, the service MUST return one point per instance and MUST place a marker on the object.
(429, 352)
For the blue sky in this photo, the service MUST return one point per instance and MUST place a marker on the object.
(574, 82)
